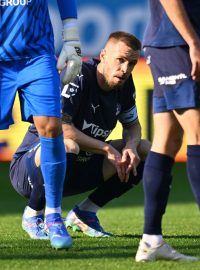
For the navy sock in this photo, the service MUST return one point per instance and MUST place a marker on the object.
(53, 166)
(113, 188)
(157, 180)
(193, 169)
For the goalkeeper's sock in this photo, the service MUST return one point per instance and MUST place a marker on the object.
(53, 166)
(193, 169)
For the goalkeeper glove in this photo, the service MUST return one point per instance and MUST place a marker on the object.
(70, 56)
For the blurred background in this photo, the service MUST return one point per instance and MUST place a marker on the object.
(97, 19)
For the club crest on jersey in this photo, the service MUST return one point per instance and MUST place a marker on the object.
(118, 109)
(70, 90)
(14, 2)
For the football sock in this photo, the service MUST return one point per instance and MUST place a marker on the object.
(193, 169)
(29, 212)
(114, 188)
(52, 210)
(156, 181)
(153, 240)
(53, 166)
(88, 205)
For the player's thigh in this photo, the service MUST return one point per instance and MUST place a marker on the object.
(8, 89)
(168, 134)
(40, 88)
(190, 121)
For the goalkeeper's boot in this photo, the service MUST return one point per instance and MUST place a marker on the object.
(58, 235)
(86, 222)
(163, 251)
(34, 226)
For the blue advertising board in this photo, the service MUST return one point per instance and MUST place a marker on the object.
(97, 19)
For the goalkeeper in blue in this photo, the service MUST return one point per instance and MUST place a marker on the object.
(28, 66)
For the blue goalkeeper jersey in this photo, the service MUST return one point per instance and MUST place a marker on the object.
(160, 31)
(25, 29)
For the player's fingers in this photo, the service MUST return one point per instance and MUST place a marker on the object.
(134, 170)
(195, 73)
(61, 62)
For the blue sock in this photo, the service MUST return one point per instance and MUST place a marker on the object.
(53, 166)
(156, 181)
(193, 169)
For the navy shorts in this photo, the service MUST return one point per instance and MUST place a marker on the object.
(84, 173)
(38, 85)
(173, 85)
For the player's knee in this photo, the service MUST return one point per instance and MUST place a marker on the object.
(71, 146)
(176, 145)
(135, 180)
(173, 145)
(144, 148)
(49, 127)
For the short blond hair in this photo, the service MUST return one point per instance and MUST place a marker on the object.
(129, 39)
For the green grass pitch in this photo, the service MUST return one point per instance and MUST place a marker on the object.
(123, 217)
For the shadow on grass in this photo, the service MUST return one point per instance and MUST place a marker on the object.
(14, 203)
(138, 236)
(81, 250)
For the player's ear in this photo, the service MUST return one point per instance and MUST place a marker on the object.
(102, 54)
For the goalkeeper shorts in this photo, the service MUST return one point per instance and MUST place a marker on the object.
(38, 85)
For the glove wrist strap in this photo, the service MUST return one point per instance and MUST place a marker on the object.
(70, 30)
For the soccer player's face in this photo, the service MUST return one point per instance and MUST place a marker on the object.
(118, 63)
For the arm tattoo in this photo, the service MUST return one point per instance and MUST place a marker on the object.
(66, 118)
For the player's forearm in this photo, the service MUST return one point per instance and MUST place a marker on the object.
(132, 135)
(86, 143)
(178, 16)
(67, 9)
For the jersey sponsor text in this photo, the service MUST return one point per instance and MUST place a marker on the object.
(95, 130)
(14, 2)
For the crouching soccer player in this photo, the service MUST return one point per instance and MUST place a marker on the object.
(92, 104)
(28, 66)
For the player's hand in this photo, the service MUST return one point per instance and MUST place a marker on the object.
(195, 59)
(131, 158)
(69, 60)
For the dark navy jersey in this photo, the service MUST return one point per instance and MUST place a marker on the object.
(25, 29)
(160, 31)
(94, 111)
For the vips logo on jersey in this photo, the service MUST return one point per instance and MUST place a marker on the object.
(70, 90)
(14, 2)
(95, 131)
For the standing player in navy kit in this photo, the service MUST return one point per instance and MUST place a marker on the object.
(28, 65)
(102, 94)
(172, 49)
